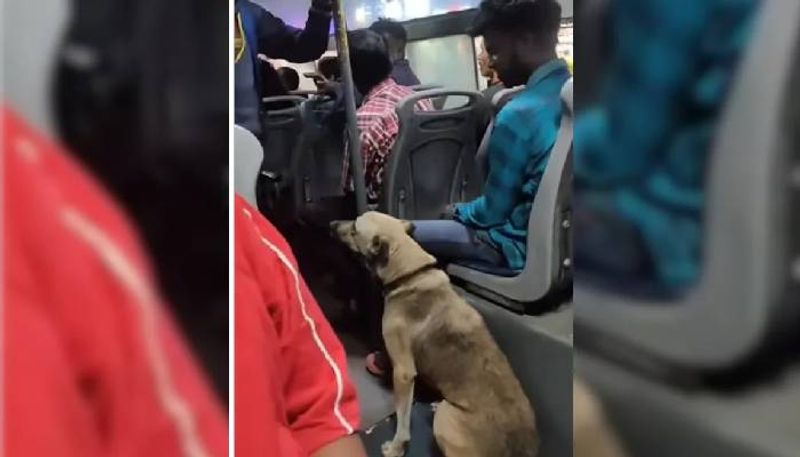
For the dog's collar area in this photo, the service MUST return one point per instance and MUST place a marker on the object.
(392, 285)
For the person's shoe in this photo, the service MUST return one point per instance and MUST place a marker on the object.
(377, 364)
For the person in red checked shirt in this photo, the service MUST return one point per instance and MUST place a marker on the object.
(293, 396)
(93, 366)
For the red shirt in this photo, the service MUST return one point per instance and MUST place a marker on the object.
(379, 126)
(93, 365)
(292, 392)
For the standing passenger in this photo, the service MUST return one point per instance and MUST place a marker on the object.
(396, 38)
(258, 31)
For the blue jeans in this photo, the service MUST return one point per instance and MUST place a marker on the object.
(452, 241)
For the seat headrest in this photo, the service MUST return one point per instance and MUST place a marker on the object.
(566, 95)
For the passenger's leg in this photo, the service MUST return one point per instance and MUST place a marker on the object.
(451, 241)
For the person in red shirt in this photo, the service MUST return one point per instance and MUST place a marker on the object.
(293, 396)
(93, 366)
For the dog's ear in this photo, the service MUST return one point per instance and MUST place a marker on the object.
(409, 227)
(379, 250)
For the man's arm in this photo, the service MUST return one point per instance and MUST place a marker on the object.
(278, 40)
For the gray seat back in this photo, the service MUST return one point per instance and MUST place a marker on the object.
(317, 163)
(741, 297)
(432, 157)
(282, 128)
(501, 98)
(247, 158)
(548, 266)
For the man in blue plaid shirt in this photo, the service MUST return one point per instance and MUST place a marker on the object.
(520, 37)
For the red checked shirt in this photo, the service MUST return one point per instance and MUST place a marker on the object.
(379, 126)
(293, 395)
(93, 366)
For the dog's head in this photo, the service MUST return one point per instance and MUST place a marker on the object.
(384, 242)
(373, 235)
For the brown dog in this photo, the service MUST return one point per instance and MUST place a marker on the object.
(431, 331)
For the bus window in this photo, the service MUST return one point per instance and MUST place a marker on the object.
(434, 59)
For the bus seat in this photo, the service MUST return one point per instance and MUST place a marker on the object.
(247, 158)
(318, 160)
(432, 157)
(501, 98)
(438, 102)
(281, 129)
(548, 268)
(743, 295)
(282, 123)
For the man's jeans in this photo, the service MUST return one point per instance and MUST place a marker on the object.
(451, 241)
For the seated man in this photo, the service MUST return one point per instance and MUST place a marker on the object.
(377, 119)
(521, 41)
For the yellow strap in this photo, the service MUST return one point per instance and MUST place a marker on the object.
(242, 39)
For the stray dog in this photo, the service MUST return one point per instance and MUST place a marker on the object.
(431, 331)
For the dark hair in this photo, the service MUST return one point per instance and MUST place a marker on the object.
(539, 17)
(289, 77)
(329, 67)
(369, 58)
(390, 28)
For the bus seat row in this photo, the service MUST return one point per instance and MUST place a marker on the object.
(745, 293)
(431, 167)
(548, 269)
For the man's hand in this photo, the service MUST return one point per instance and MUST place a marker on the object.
(449, 212)
(322, 5)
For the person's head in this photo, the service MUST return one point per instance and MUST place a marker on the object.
(395, 35)
(369, 58)
(330, 68)
(485, 66)
(289, 78)
(520, 36)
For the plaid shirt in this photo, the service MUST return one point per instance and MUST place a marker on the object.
(379, 125)
(524, 133)
(646, 144)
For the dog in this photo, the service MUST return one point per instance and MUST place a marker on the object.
(430, 331)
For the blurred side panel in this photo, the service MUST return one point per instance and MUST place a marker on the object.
(686, 242)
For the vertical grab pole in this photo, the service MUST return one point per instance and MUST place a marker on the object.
(356, 160)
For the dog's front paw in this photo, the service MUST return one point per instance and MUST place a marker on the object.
(393, 449)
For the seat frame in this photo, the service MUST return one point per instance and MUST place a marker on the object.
(396, 195)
